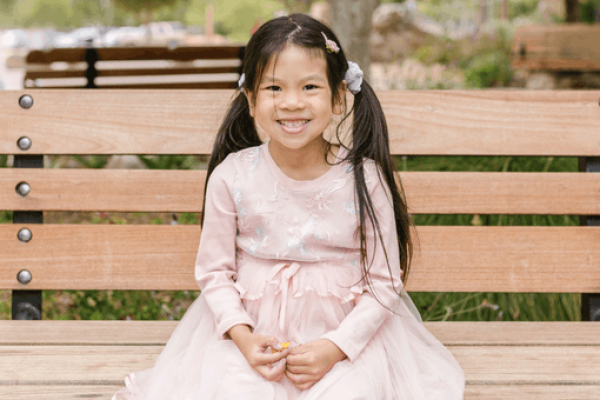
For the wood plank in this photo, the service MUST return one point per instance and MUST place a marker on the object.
(527, 392)
(81, 189)
(501, 193)
(48, 74)
(506, 259)
(450, 333)
(486, 122)
(556, 65)
(87, 189)
(565, 365)
(431, 122)
(222, 52)
(162, 257)
(573, 45)
(131, 257)
(472, 392)
(58, 392)
(483, 365)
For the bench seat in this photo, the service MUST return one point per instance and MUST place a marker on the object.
(501, 360)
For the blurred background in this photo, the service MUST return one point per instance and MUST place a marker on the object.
(412, 44)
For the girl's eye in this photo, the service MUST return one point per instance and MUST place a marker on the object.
(274, 88)
(311, 86)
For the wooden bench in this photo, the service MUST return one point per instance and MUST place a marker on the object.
(560, 50)
(502, 360)
(201, 67)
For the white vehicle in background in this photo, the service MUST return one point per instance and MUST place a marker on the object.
(126, 36)
(167, 34)
(41, 39)
(77, 38)
(15, 39)
(15, 45)
(64, 40)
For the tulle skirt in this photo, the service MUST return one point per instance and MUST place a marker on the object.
(298, 303)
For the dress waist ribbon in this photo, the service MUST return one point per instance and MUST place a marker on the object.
(284, 282)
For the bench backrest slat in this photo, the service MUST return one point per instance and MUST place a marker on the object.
(557, 47)
(224, 52)
(161, 257)
(182, 191)
(79, 73)
(542, 123)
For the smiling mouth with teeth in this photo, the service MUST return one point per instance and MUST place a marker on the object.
(293, 124)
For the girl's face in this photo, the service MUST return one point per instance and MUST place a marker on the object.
(294, 102)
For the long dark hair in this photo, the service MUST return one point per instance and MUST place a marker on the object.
(369, 133)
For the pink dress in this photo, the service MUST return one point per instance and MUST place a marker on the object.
(282, 256)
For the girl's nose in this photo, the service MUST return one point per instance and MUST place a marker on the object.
(292, 100)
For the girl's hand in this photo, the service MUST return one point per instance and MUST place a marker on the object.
(308, 363)
(255, 349)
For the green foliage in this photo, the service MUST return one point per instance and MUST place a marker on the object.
(589, 11)
(232, 17)
(6, 217)
(169, 161)
(439, 50)
(34, 13)
(86, 12)
(488, 70)
(91, 161)
(137, 6)
(498, 306)
(188, 218)
(520, 8)
(117, 305)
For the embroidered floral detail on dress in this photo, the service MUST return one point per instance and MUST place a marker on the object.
(237, 198)
(350, 207)
(260, 240)
(320, 201)
(252, 156)
(299, 232)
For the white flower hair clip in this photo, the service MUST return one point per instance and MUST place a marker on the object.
(241, 82)
(331, 46)
(354, 77)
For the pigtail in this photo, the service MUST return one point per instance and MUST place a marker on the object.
(370, 140)
(237, 132)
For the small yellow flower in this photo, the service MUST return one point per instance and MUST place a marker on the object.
(284, 345)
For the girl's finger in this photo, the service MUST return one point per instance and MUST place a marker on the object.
(297, 379)
(297, 359)
(295, 369)
(266, 358)
(271, 372)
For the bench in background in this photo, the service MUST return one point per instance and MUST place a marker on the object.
(502, 360)
(202, 67)
(567, 50)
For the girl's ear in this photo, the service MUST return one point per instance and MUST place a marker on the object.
(337, 106)
(248, 98)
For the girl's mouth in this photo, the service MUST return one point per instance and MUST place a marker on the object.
(293, 127)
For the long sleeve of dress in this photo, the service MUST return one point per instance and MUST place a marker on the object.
(215, 264)
(368, 315)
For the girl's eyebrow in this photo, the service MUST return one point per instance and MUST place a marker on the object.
(317, 77)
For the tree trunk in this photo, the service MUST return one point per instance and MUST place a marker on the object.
(504, 10)
(572, 8)
(351, 21)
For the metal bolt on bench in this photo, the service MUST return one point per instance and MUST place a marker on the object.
(26, 304)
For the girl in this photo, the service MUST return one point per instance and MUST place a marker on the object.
(305, 246)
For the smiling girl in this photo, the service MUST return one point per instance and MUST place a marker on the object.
(305, 249)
